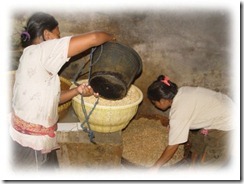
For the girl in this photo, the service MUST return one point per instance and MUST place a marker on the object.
(36, 94)
(206, 112)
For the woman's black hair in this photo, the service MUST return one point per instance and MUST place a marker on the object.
(162, 88)
(35, 27)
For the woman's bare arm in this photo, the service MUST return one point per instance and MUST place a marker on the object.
(82, 42)
(83, 89)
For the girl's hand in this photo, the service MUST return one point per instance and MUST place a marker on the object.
(86, 90)
(153, 170)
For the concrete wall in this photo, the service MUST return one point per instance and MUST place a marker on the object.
(191, 47)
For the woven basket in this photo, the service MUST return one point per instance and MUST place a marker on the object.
(109, 118)
(65, 85)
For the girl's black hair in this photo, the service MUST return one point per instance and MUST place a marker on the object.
(162, 88)
(35, 27)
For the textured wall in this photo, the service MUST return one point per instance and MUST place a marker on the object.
(191, 47)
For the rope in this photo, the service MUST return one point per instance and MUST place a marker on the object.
(87, 116)
(89, 130)
(78, 73)
(93, 63)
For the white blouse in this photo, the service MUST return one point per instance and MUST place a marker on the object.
(36, 90)
(197, 108)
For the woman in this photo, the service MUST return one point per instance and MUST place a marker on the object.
(36, 94)
(207, 113)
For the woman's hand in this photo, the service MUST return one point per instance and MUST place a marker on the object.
(86, 90)
(83, 89)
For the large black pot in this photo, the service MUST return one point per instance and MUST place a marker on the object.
(115, 67)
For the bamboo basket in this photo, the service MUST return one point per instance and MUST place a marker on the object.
(65, 85)
(108, 118)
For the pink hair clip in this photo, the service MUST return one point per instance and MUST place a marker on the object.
(166, 81)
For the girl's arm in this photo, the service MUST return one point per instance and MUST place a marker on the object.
(86, 41)
(166, 156)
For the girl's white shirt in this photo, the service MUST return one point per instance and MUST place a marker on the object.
(197, 108)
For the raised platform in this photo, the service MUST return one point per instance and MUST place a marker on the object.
(77, 151)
